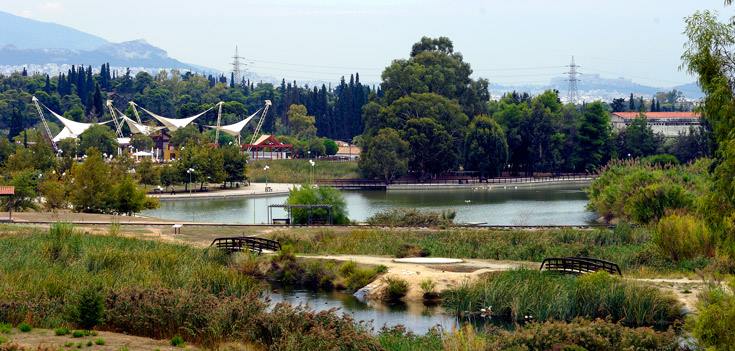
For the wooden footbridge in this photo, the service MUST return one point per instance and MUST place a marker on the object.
(243, 243)
(579, 265)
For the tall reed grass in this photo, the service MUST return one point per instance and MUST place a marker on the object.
(526, 295)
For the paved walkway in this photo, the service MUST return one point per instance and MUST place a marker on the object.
(252, 190)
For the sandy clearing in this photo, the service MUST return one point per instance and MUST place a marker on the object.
(113, 341)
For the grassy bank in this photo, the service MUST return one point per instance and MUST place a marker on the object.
(629, 247)
(300, 171)
(67, 278)
(524, 295)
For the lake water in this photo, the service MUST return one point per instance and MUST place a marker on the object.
(558, 205)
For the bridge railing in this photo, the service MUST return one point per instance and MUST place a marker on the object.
(453, 180)
(579, 265)
(242, 243)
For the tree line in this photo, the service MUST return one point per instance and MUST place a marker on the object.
(432, 118)
(80, 94)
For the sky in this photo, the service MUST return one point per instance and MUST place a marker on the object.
(507, 42)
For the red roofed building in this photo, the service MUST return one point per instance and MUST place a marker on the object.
(268, 147)
(669, 124)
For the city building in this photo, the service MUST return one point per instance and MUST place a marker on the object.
(669, 124)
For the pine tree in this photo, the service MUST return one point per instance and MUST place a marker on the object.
(653, 105)
(97, 101)
(24, 73)
(47, 86)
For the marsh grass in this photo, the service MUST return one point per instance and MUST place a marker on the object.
(628, 246)
(524, 295)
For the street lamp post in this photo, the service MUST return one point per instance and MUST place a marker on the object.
(190, 171)
(266, 168)
(312, 163)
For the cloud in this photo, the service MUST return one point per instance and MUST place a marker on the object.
(51, 6)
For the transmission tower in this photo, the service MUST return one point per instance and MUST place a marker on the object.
(573, 93)
(237, 67)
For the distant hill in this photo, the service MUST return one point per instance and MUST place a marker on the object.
(24, 33)
(25, 41)
(593, 87)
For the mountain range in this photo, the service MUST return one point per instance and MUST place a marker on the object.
(52, 48)
(25, 41)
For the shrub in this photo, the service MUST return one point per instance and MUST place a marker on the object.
(5, 328)
(99, 341)
(396, 289)
(582, 334)
(61, 331)
(24, 327)
(682, 236)
(652, 201)
(411, 217)
(308, 195)
(90, 308)
(661, 160)
(712, 326)
(89, 343)
(298, 328)
(78, 334)
(410, 250)
(177, 341)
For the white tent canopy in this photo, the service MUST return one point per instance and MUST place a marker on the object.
(72, 129)
(236, 128)
(175, 123)
(138, 128)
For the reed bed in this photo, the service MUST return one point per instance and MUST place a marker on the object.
(526, 295)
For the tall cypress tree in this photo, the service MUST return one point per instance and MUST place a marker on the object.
(631, 103)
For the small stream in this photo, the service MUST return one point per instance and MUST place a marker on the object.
(415, 316)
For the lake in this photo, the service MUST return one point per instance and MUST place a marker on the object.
(556, 205)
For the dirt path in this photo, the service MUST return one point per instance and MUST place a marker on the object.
(112, 341)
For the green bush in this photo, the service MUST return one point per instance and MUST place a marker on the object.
(323, 195)
(582, 334)
(411, 217)
(90, 308)
(177, 341)
(651, 202)
(661, 160)
(24, 327)
(396, 289)
(61, 331)
(713, 324)
(641, 192)
(78, 334)
(5, 328)
(682, 236)
(99, 341)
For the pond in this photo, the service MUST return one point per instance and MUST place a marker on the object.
(415, 316)
(557, 205)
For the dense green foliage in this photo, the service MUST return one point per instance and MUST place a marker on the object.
(386, 155)
(713, 325)
(641, 192)
(486, 147)
(309, 195)
(541, 296)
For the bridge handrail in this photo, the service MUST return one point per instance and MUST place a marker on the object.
(239, 243)
(579, 265)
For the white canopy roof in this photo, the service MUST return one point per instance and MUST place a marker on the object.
(143, 154)
(72, 129)
(236, 128)
(138, 128)
(174, 123)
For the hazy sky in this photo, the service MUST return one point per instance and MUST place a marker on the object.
(511, 41)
